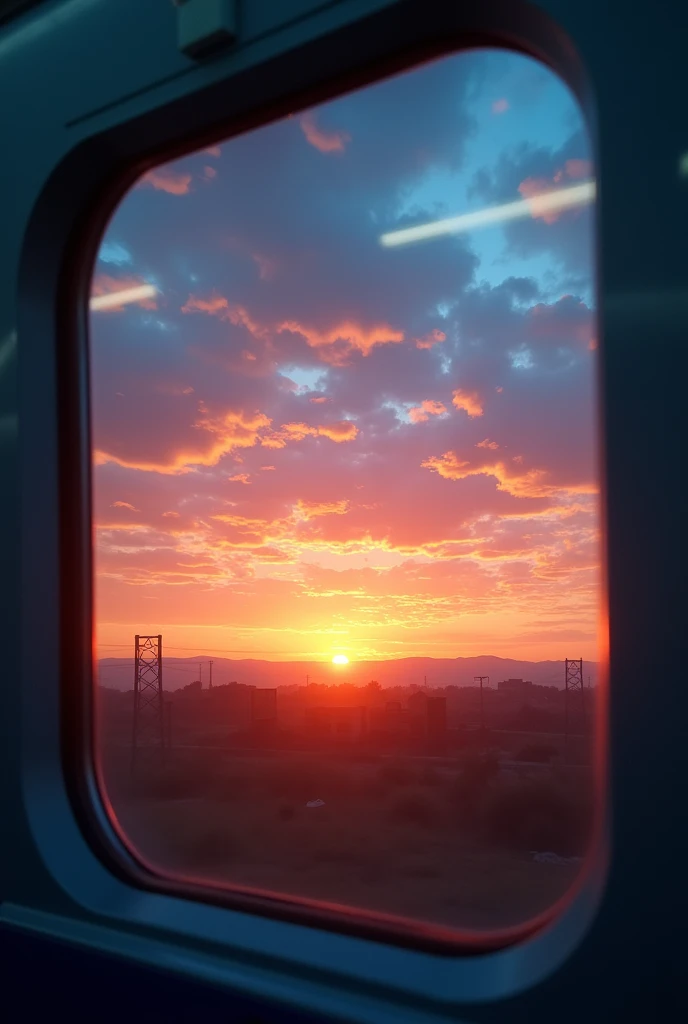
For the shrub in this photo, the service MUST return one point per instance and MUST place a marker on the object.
(539, 815)
(415, 808)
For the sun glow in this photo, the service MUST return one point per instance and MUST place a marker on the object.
(340, 659)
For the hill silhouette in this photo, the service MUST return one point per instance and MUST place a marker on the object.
(117, 673)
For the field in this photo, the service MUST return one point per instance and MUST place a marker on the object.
(450, 841)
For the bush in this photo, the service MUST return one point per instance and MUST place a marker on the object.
(415, 808)
(539, 815)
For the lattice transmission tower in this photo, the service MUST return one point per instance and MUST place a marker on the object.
(574, 697)
(148, 732)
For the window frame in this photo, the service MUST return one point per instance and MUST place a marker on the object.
(58, 254)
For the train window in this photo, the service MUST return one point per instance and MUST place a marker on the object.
(345, 490)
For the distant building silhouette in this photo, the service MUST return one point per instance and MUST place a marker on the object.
(338, 723)
(518, 686)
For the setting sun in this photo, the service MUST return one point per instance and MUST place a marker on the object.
(340, 659)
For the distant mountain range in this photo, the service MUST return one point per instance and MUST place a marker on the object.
(118, 673)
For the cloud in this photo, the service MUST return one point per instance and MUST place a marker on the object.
(427, 408)
(343, 430)
(527, 170)
(325, 142)
(500, 106)
(433, 337)
(115, 253)
(167, 180)
(310, 509)
(487, 444)
(124, 504)
(239, 478)
(468, 401)
(530, 483)
(337, 344)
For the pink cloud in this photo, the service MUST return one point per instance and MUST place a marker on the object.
(578, 168)
(487, 444)
(124, 504)
(500, 106)
(326, 142)
(239, 478)
(266, 267)
(427, 408)
(209, 173)
(213, 151)
(468, 401)
(434, 337)
(166, 180)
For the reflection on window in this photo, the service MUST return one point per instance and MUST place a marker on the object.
(346, 501)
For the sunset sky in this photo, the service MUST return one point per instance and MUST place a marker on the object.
(308, 443)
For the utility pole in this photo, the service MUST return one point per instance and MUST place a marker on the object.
(210, 685)
(481, 680)
(200, 673)
(148, 730)
(573, 683)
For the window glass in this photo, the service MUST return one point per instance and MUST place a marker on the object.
(347, 563)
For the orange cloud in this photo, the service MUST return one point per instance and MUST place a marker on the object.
(468, 401)
(310, 509)
(487, 444)
(433, 338)
(266, 468)
(170, 515)
(124, 504)
(500, 106)
(219, 306)
(233, 429)
(103, 284)
(319, 399)
(166, 180)
(239, 478)
(353, 336)
(342, 430)
(420, 413)
(534, 483)
(326, 142)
